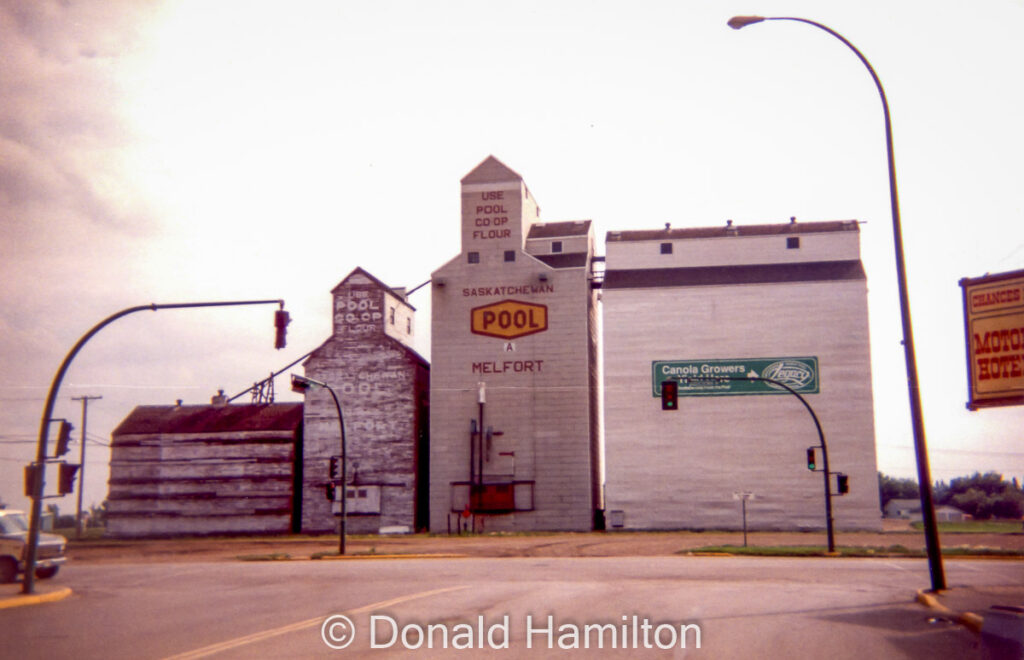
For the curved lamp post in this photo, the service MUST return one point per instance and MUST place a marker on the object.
(302, 384)
(917, 421)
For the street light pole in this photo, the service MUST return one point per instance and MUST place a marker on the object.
(302, 384)
(924, 478)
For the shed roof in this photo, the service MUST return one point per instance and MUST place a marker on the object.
(816, 271)
(559, 229)
(211, 418)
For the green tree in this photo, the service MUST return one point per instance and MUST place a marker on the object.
(983, 496)
(98, 515)
(891, 488)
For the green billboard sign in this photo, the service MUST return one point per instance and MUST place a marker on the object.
(737, 377)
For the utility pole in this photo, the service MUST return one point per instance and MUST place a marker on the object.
(81, 470)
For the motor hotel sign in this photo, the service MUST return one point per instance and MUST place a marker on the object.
(729, 377)
(509, 319)
(994, 324)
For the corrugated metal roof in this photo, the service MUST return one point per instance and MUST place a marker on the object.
(558, 229)
(211, 418)
(712, 275)
(732, 230)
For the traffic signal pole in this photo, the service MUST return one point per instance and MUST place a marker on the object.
(821, 437)
(28, 584)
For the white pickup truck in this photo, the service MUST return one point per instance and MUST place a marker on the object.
(14, 546)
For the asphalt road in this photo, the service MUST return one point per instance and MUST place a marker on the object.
(743, 608)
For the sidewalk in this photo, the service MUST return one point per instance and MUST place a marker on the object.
(996, 612)
(11, 596)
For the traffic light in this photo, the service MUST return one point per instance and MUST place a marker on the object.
(843, 481)
(33, 474)
(281, 321)
(811, 462)
(329, 492)
(63, 438)
(66, 478)
(335, 469)
(670, 395)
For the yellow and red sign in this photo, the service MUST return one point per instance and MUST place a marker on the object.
(994, 323)
(509, 319)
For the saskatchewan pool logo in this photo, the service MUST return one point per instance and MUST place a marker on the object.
(792, 373)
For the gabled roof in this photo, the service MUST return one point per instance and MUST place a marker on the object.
(410, 352)
(730, 229)
(360, 271)
(491, 170)
(558, 229)
(211, 419)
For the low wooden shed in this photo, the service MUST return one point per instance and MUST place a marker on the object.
(206, 469)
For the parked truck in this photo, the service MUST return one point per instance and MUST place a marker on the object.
(14, 548)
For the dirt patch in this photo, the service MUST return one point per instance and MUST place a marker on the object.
(592, 544)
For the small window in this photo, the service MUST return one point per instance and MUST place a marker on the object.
(408, 325)
(510, 255)
(666, 248)
(473, 257)
(556, 246)
(793, 243)
(391, 315)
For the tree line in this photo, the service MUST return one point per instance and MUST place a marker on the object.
(982, 496)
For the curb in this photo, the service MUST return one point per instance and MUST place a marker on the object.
(969, 620)
(408, 556)
(34, 599)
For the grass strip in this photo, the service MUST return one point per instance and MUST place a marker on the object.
(274, 556)
(848, 551)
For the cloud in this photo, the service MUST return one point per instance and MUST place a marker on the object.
(60, 126)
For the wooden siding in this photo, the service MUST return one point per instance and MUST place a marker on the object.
(382, 387)
(224, 482)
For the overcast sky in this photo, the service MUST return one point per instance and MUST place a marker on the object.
(216, 150)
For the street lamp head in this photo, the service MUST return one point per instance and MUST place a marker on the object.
(737, 22)
(301, 384)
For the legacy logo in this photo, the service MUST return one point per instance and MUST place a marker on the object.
(796, 375)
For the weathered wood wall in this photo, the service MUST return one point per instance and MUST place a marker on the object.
(382, 386)
(204, 470)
